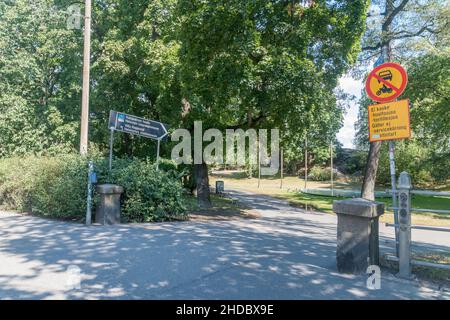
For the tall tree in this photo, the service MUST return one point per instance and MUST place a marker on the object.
(137, 67)
(39, 78)
(258, 64)
(393, 40)
(267, 64)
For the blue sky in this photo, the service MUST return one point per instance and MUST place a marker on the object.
(347, 133)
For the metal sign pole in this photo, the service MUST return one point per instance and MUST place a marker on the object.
(282, 176)
(331, 167)
(306, 163)
(404, 197)
(259, 164)
(394, 193)
(111, 141)
(89, 195)
(157, 154)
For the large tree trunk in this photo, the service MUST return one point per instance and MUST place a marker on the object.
(370, 176)
(202, 182)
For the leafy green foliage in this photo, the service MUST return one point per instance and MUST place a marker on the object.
(425, 166)
(39, 79)
(320, 174)
(50, 186)
(418, 28)
(429, 93)
(351, 161)
(267, 63)
(149, 195)
(251, 64)
(57, 187)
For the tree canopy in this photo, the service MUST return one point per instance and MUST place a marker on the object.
(234, 63)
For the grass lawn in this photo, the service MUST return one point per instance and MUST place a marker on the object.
(325, 204)
(272, 186)
(435, 274)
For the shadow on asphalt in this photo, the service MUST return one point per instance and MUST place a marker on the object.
(279, 256)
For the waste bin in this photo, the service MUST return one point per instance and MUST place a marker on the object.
(220, 187)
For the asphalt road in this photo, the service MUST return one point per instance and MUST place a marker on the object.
(285, 254)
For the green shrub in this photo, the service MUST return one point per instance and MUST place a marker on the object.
(424, 166)
(49, 186)
(15, 184)
(60, 188)
(57, 187)
(351, 161)
(150, 195)
(320, 174)
(167, 165)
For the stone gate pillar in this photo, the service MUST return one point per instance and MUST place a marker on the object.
(357, 234)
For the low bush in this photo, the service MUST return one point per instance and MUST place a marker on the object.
(320, 174)
(150, 195)
(49, 186)
(426, 167)
(57, 187)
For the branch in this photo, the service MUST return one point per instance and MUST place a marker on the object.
(401, 34)
(404, 34)
(369, 57)
(396, 11)
(381, 14)
(371, 48)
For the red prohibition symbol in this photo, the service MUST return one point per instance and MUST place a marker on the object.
(386, 82)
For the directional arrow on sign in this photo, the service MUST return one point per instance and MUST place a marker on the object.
(127, 123)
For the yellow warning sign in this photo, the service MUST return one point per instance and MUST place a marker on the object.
(389, 121)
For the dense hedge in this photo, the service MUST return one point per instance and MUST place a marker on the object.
(57, 187)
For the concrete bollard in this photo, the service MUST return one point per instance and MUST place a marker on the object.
(108, 207)
(357, 234)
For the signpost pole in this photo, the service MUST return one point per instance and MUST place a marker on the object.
(111, 141)
(282, 160)
(157, 154)
(331, 167)
(259, 164)
(383, 75)
(394, 192)
(89, 195)
(404, 253)
(306, 163)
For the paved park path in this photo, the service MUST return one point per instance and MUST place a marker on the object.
(285, 254)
